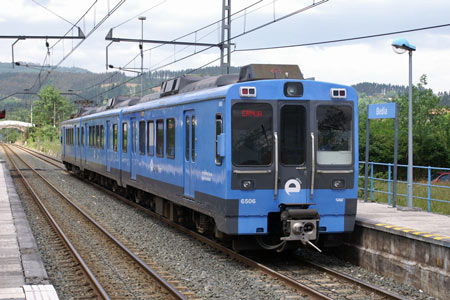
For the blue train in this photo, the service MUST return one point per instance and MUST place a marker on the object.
(264, 158)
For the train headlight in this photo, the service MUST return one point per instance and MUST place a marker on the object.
(293, 89)
(338, 93)
(247, 92)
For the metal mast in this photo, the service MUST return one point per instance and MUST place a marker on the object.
(225, 54)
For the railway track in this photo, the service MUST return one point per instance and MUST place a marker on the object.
(314, 280)
(113, 270)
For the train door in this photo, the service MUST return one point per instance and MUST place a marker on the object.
(189, 156)
(294, 158)
(133, 154)
(107, 138)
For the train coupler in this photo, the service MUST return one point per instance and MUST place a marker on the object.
(300, 225)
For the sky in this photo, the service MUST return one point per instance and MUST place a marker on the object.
(365, 60)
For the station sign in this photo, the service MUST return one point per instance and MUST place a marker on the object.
(381, 111)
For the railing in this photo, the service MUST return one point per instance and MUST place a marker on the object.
(433, 197)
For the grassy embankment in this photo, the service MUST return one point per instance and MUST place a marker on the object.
(440, 193)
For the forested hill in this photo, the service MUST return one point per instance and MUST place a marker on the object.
(34, 68)
(375, 89)
(106, 85)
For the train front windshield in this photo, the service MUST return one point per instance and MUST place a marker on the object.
(334, 126)
(252, 136)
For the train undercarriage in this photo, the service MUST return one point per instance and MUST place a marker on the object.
(291, 228)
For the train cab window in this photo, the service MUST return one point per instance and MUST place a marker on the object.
(194, 124)
(170, 138)
(160, 138)
(102, 136)
(124, 137)
(252, 134)
(114, 137)
(142, 137)
(292, 135)
(219, 130)
(151, 137)
(334, 135)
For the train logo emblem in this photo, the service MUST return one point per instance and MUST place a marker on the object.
(293, 186)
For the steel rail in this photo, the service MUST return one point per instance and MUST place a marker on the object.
(251, 263)
(312, 293)
(175, 293)
(365, 285)
(29, 150)
(90, 276)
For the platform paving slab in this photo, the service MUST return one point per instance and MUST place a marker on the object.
(415, 223)
(22, 272)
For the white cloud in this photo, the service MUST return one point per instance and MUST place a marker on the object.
(351, 62)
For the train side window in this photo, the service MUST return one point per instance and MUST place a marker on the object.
(102, 136)
(97, 136)
(82, 136)
(160, 138)
(188, 123)
(91, 136)
(133, 135)
(124, 137)
(78, 135)
(114, 137)
(142, 137)
(170, 138)
(151, 137)
(219, 130)
(193, 138)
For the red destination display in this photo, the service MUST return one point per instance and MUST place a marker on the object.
(252, 113)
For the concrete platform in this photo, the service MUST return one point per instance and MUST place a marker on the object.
(22, 272)
(413, 247)
(415, 224)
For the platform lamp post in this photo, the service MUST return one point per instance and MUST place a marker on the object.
(141, 47)
(400, 46)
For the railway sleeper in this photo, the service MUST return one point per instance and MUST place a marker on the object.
(187, 217)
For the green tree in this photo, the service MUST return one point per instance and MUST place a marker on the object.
(431, 130)
(51, 108)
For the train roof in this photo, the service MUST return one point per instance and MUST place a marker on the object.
(187, 84)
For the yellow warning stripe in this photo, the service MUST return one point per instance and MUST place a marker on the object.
(415, 232)
(442, 238)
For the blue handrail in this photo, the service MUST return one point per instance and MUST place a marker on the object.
(389, 180)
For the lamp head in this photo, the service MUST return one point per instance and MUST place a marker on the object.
(402, 45)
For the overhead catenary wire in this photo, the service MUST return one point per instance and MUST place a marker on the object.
(95, 27)
(314, 4)
(49, 10)
(346, 39)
